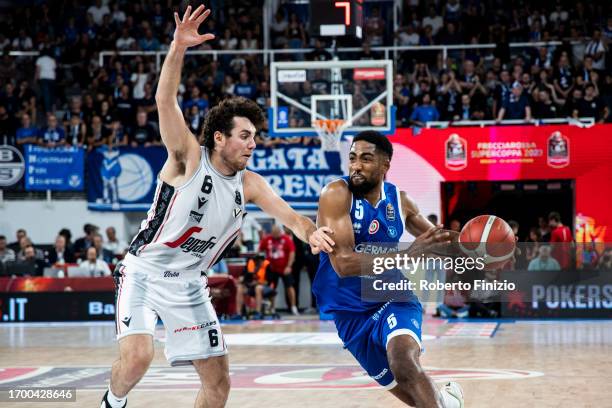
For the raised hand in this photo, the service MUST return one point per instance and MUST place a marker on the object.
(186, 32)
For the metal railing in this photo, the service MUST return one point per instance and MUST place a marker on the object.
(270, 54)
(579, 122)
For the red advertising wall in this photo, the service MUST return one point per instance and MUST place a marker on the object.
(506, 153)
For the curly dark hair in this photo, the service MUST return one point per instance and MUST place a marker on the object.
(220, 118)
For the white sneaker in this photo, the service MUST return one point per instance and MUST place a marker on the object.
(453, 394)
(295, 311)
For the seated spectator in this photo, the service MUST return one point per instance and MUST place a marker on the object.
(113, 244)
(220, 268)
(125, 106)
(254, 282)
(102, 253)
(149, 42)
(144, 133)
(244, 87)
(516, 106)
(27, 133)
(24, 243)
(60, 254)
(6, 254)
(53, 134)
(196, 99)
(20, 233)
(596, 49)
(96, 267)
(36, 265)
(590, 257)
(605, 261)
(97, 134)
(425, 112)
(319, 53)
(544, 262)
(76, 132)
(433, 20)
(195, 120)
(408, 36)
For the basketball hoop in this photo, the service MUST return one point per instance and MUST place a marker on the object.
(330, 131)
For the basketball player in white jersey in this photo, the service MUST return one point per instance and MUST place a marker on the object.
(197, 213)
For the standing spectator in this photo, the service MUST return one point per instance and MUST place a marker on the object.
(194, 119)
(251, 232)
(53, 134)
(8, 126)
(516, 106)
(6, 254)
(27, 133)
(591, 106)
(563, 76)
(81, 244)
(295, 32)
(597, 49)
(96, 266)
(533, 244)
(375, 27)
(424, 112)
(544, 261)
(196, 99)
(27, 99)
(98, 11)
(280, 251)
(149, 42)
(46, 76)
(113, 244)
(544, 107)
(561, 238)
(278, 29)
(433, 20)
(60, 254)
(139, 79)
(118, 16)
(144, 133)
(23, 42)
(125, 107)
(126, 42)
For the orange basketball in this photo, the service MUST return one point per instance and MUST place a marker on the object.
(489, 237)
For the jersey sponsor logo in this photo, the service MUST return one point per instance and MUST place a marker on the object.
(195, 216)
(184, 237)
(392, 231)
(390, 212)
(196, 327)
(197, 247)
(373, 229)
(126, 321)
(374, 249)
(171, 274)
(201, 202)
(238, 198)
(381, 375)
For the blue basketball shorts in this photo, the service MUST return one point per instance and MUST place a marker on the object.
(366, 335)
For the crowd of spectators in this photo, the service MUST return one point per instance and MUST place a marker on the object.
(64, 97)
(96, 254)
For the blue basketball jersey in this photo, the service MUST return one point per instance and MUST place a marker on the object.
(372, 225)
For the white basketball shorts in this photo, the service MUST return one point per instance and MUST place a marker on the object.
(182, 302)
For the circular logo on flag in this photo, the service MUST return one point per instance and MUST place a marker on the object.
(373, 229)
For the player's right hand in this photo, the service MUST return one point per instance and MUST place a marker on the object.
(186, 32)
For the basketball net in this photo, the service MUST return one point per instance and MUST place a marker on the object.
(330, 132)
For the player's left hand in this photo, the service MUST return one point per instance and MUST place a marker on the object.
(320, 240)
(186, 32)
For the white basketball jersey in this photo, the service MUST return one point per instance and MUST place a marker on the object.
(189, 227)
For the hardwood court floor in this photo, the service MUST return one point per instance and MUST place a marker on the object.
(298, 364)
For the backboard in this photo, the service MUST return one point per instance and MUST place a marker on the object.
(357, 92)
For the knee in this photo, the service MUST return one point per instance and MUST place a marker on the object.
(137, 362)
(259, 290)
(406, 371)
(220, 387)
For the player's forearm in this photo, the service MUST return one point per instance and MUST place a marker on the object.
(170, 76)
(303, 228)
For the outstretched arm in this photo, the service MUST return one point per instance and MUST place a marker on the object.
(258, 191)
(182, 145)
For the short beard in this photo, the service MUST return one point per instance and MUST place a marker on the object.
(361, 189)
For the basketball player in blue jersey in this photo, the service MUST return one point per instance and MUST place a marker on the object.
(385, 337)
